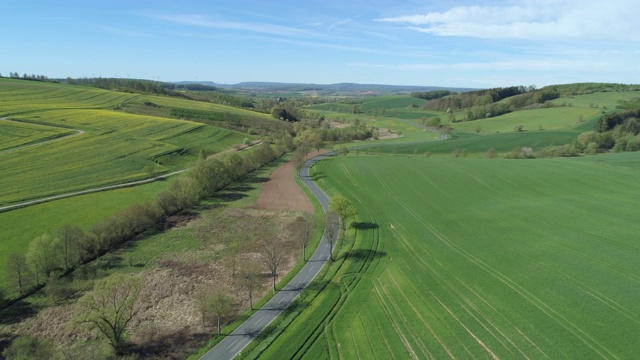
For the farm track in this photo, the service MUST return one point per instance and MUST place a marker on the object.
(78, 132)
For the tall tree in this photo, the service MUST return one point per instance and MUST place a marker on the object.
(111, 306)
(18, 271)
(274, 254)
(332, 229)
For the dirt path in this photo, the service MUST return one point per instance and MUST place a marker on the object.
(282, 192)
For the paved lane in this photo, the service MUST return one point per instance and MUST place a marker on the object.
(233, 343)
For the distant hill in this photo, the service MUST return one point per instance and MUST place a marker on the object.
(328, 88)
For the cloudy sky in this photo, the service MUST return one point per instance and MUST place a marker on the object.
(408, 42)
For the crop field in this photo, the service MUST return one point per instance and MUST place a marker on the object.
(479, 258)
(18, 96)
(14, 134)
(116, 147)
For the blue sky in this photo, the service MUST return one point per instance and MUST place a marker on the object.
(438, 43)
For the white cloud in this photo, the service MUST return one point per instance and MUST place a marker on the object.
(614, 20)
(213, 23)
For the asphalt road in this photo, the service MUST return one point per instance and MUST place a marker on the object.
(233, 343)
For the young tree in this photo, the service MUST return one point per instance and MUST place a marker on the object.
(344, 208)
(274, 254)
(332, 229)
(111, 306)
(214, 302)
(18, 271)
(250, 279)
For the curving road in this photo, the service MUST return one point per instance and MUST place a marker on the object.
(233, 343)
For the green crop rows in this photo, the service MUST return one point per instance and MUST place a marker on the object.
(468, 258)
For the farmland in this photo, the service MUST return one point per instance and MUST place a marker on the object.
(479, 258)
(114, 147)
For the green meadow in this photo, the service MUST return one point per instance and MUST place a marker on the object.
(478, 258)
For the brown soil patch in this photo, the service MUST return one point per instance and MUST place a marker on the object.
(281, 192)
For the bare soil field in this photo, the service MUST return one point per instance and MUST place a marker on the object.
(282, 192)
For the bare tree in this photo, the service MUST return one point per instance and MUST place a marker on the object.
(273, 251)
(18, 271)
(250, 279)
(332, 229)
(111, 306)
(302, 229)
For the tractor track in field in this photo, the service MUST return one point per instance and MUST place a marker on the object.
(78, 133)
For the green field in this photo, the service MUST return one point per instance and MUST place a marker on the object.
(478, 258)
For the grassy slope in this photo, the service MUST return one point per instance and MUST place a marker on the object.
(477, 257)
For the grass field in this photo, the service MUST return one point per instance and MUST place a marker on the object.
(477, 259)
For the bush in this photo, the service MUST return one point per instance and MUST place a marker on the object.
(27, 347)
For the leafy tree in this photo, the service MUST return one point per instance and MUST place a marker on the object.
(344, 208)
(111, 306)
(41, 256)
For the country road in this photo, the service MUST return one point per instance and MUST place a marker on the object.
(235, 342)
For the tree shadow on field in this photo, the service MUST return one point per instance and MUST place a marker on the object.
(255, 180)
(364, 225)
(17, 312)
(365, 254)
(229, 196)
